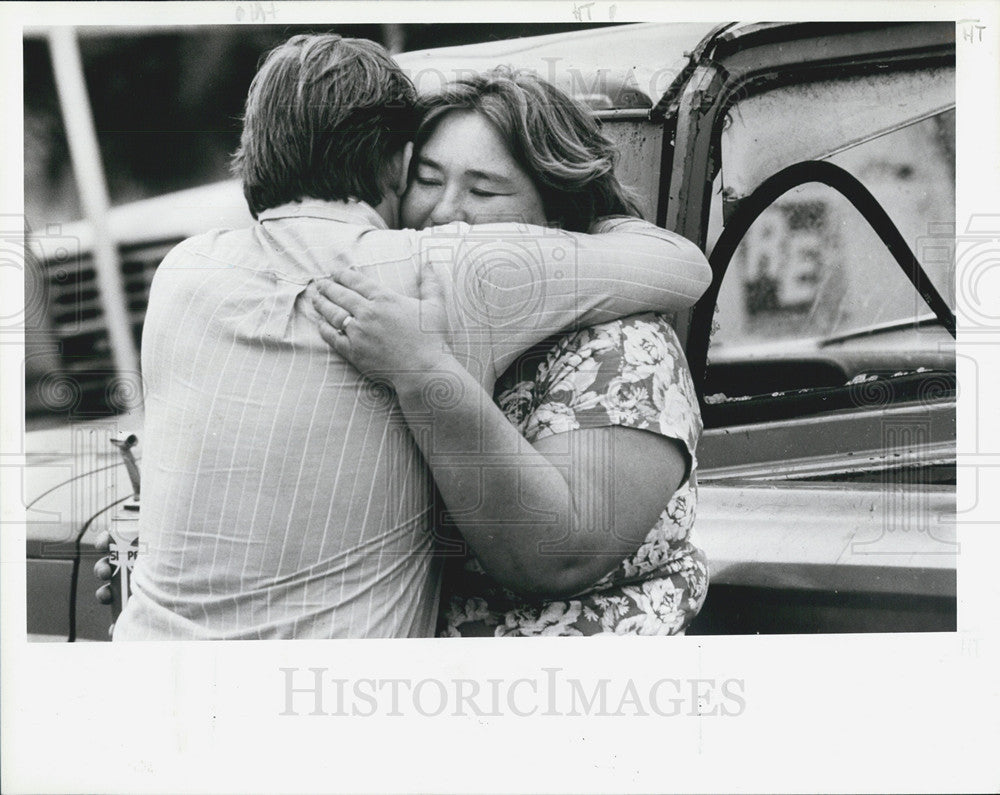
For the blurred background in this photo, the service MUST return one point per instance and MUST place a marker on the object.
(166, 106)
(167, 102)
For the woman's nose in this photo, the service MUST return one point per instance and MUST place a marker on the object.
(448, 209)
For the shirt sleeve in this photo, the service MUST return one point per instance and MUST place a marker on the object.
(510, 286)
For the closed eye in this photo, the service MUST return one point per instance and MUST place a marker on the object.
(486, 193)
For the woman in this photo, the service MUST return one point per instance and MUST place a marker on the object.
(559, 529)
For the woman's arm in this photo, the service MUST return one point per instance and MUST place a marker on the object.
(545, 520)
(548, 519)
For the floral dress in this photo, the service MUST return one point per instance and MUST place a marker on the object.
(630, 372)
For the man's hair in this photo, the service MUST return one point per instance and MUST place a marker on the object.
(553, 137)
(323, 116)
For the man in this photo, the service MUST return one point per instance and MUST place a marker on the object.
(282, 495)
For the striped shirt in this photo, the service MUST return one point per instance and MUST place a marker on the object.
(283, 495)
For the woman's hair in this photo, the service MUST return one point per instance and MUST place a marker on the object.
(323, 116)
(554, 138)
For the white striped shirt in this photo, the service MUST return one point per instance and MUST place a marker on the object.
(283, 496)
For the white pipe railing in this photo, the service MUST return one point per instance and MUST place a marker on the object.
(92, 186)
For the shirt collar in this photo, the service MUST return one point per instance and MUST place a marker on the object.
(352, 211)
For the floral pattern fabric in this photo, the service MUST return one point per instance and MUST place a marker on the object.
(631, 373)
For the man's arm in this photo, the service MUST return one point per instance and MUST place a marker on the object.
(513, 285)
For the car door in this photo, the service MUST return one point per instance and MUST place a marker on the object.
(815, 163)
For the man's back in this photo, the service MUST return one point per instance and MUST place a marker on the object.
(283, 496)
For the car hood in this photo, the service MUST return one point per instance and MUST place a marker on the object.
(644, 58)
(219, 205)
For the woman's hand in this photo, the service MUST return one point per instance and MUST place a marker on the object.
(381, 332)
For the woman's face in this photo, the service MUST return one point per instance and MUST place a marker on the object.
(464, 172)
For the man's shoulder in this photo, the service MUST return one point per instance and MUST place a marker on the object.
(199, 265)
(201, 247)
(296, 249)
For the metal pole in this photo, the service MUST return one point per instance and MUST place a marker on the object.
(394, 38)
(89, 172)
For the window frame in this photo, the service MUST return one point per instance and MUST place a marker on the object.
(733, 65)
(740, 222)
(736, 63)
